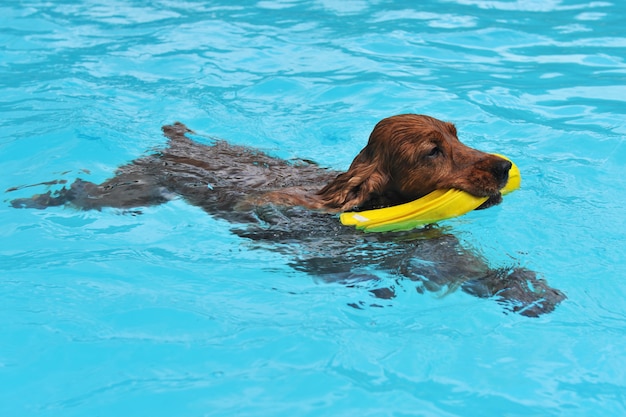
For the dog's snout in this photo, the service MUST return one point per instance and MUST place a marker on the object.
(501, 169)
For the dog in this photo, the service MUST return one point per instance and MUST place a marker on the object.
(268, 199)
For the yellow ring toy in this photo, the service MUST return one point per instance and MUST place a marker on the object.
(436, 206)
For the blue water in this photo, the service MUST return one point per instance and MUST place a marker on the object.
(169, 314)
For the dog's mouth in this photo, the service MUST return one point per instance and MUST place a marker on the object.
(493, 200)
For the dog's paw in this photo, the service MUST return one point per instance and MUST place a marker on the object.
(519, 290)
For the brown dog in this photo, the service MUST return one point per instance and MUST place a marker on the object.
(407, 157)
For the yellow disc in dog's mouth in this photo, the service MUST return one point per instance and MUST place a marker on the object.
(436, 206)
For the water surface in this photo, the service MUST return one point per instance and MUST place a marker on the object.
(167, 313)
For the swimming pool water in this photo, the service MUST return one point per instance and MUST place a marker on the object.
(167, 313)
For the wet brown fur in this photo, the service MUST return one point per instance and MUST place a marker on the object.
(409, 156)
(272, 200)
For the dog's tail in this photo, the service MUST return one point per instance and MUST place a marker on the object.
(176, 132)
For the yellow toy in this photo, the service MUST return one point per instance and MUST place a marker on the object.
(436, 206)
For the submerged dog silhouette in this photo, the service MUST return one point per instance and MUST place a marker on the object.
(293, 204)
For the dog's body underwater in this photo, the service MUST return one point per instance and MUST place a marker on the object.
(287, 202)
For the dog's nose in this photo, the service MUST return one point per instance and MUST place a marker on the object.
(500, 170)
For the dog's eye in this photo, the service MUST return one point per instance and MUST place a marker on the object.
(434, 152)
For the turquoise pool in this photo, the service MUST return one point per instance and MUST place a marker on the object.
(168, 313)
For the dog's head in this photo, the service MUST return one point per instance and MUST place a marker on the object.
(409, 156)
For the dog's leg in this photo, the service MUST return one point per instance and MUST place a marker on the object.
(518, 289)
(133, 186)
(41, 201)
(443, 264)
(118, 192)
(138, 184)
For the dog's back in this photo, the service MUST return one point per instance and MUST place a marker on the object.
(223, 179)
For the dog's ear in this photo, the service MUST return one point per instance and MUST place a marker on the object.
(364, 180)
